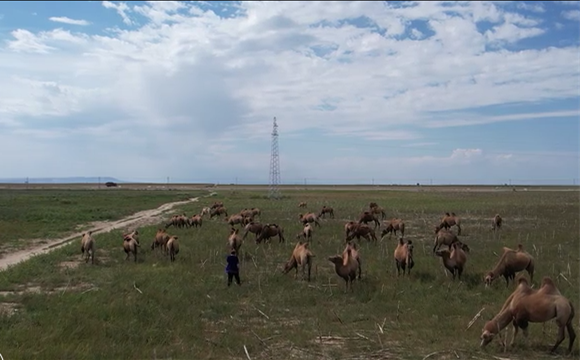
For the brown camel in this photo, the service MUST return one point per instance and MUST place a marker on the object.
(526, 305)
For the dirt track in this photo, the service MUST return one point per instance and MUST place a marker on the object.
(140, 218)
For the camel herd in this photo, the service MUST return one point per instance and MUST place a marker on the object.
(523, 306)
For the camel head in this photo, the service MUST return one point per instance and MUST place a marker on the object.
(488, 279)
(442, 253)
(336, 259)
(487, 334)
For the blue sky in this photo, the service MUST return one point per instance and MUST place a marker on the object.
(448, 92)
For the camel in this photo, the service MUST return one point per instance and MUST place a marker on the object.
(326, 210)
(511, 262)
(256, 211)
(235, 219)
(404, 256)
(526, 305)
(448, 221)
(205, 211)
(173, 247)
(355, 255)
(361, 230)
(309, 218)
(130, 244)
(269, 231)
(367, 217)
(216, 205)
(306, 233)
(301, 256)
(377, 210)
(393, 226)
(218, 212)
(88, 246)
(234, 240)
(160, 240)
(496, 222)
(246, 213)
(253, 227)
(346, 265)
(444, 237)
(196, 220)
(454, 259)
(302, 204)
(178, 221)
(349, 226)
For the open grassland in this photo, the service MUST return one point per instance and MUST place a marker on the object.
(56, 307)
(36, 216)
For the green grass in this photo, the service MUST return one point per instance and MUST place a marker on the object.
(184, 310)
(47, 214)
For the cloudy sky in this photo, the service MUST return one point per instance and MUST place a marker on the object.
(398, 92)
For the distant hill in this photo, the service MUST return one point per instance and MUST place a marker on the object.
(60, 180)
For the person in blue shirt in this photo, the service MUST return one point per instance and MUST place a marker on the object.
(232, 268)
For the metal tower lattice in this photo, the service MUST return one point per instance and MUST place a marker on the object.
(274, 165)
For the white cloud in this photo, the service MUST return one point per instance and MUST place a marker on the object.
(535, 7)
(185, 79)
(66, 20)
(571, 15)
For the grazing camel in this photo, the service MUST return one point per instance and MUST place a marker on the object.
(234, 240)
(403, 255)
(345, 266)
(270, 231)
(526, 305)
(367, 217)
(306, 233)
(454, 259)
(130, 244)
(301, 256)
(88, 246)
(218, 212)
(496, 222)
(302, 204)
(326, 210)
(253, 227)
(448, 221)
(309, 218)
(511, 262)
(173, 247)
(178, 221)
(235, 219)
(393, 226)
(361, 230)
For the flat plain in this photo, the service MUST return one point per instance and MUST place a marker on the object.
(56, 306)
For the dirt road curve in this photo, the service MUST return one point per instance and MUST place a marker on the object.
(137, 218)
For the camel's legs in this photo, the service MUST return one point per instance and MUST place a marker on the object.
(559, 339)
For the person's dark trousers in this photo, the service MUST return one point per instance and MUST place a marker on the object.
(232, 275)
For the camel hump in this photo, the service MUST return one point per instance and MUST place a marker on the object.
(548, 286)
(523, 281)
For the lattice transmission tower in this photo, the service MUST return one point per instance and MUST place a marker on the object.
(274, 165)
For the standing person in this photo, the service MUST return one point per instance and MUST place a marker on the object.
(232, 268)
